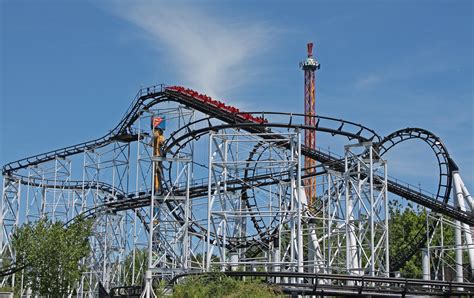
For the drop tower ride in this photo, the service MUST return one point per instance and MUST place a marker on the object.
(310, 65)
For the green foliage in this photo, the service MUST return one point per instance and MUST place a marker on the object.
(219, 285)
(52, 254)
(140, 266)
(404, 226)
(6, 289)
(407, 225)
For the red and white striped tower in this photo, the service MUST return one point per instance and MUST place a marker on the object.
(310, 65)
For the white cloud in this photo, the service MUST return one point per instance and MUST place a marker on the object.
(416, 66)
(211, 54)
(368, 81)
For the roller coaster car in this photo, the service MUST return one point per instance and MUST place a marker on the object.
(218, 104)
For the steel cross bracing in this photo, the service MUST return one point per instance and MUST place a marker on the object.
(275, 207)
(435, 202)
(353, 229)
(156, 95)
(442, 254)
(169, 250)
(108, 243)
(245, 227)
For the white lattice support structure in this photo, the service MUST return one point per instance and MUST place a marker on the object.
(169, 223)
(106, 179)
(248, 211)
(336, 231)
(143, 184)
(9, 219)
(357, 214)
(48, 194)
(318, 228)
(267, 218)
(366, 211)
(443, 255)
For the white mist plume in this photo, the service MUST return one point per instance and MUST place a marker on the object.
(210, 54)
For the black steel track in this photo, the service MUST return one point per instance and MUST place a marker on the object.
(134, 202)
(437, 203)
(445, 163)
(148, 97)
(446, 166)
(412, 193)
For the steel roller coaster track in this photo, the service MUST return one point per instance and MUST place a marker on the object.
(146, 98)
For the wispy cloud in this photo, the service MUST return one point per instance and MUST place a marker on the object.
(368, 81)
(209, 53)
(416, 65)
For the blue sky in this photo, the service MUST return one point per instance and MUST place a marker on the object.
(69, 69)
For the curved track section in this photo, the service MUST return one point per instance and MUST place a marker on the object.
(445, 165)
(180, 138)
(436, 144)
(148, 97)
(408, 192)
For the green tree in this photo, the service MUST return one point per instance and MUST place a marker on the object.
(406, 225)
(220, 285)
(52, 254)
(140, 266)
